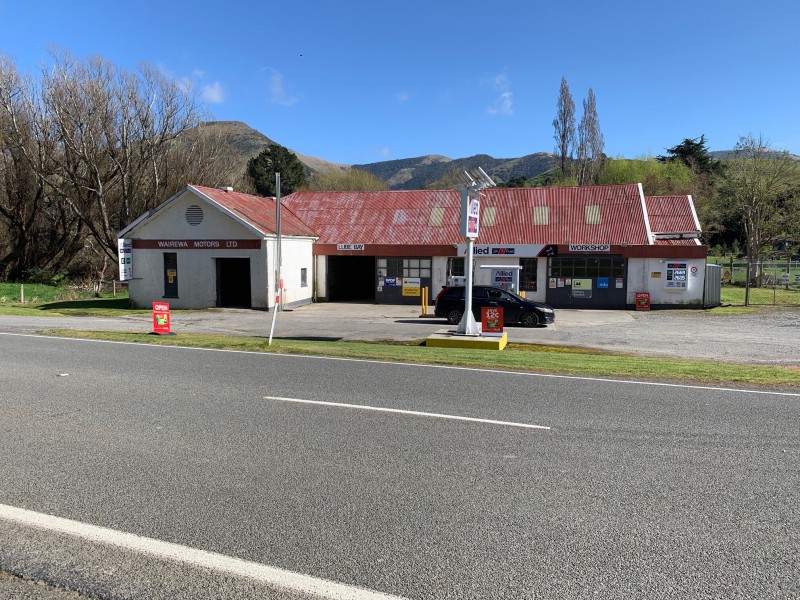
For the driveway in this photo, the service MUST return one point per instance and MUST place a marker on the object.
(769, 337)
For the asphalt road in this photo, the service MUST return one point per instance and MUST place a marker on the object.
(636, 490)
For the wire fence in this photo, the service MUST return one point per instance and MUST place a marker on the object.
(774, 283)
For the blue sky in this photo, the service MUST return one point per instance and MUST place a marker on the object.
(365, 81)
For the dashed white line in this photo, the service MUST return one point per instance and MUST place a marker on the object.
(274, 576)
(414, 413)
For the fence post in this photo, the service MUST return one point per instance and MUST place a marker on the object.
(747, 284)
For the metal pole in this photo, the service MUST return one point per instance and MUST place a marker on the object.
(279, 282)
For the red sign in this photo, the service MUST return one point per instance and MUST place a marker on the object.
(161, 318)
(197, 244)
(642, 300)
(491, 319)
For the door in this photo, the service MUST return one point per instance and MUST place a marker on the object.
(170, 274)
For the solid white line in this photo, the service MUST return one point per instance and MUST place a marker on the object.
(686, 386)
(407, 412)
(274, 576)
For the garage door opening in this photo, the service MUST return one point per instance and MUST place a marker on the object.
(233, 282)
(351, 279)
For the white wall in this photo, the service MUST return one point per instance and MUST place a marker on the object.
(295, 256)
(641, 278)
(197, 285)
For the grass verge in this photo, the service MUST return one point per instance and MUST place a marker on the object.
(516, 357)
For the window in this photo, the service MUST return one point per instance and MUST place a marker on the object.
(592, 266)
(404, 267)
(455, 267)
(303, 277)
(527, 276)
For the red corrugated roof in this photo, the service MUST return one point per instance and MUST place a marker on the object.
(672, 214)
(257, 211)
(411, 217)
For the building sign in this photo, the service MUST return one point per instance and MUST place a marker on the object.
(352, 247)
(590, 247)
(412, 286)
(197, 244)
(125, 248)
(491, 320)
(470, 213)
(161, 324)
(509, 250)
(602, 283)
(505, 278)
(676, 276)
(581, 288)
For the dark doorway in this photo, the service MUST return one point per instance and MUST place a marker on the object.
(170, 275)
(233, 282)
(351, 278)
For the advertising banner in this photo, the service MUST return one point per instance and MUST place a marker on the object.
(161, 320)
(470, 214)
(412, 286)
(491, 320)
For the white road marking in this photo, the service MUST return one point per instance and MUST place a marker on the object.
(686, 386)
(407, 412)
(275, 576)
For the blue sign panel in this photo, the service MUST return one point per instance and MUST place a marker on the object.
(602, 283)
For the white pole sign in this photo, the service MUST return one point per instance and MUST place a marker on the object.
(125, 248)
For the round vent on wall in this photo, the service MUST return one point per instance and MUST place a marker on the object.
(194, 215)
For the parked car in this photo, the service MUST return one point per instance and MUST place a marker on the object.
(516, 309)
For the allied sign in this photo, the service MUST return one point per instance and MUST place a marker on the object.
(504, 278)
(353, 247)
(161, 321)
(590, 247)
(125, 248)
(510, 250)
(197, 244)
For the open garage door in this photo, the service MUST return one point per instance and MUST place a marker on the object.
(233, 282)
(351, 278)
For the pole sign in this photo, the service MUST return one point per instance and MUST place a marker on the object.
(470, 213)
(125, 248)
(161, 320)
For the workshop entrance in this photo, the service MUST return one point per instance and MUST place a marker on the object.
(233, 282)
(351, 279)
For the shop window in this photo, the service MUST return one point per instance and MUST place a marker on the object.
(455, 267)
(527, 276)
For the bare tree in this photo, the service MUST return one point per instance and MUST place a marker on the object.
(564, 125)
(40, 232)
(757, 186)
(590, 143)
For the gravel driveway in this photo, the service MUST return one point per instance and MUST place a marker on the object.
(769, 336)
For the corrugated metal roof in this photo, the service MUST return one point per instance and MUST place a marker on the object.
(672, 214)
(404, 217)
(257, 211)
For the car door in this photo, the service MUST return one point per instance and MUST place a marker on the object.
(512, 307)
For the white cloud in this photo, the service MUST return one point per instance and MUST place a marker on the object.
(402, 96)
(213, 94)
(280, 93)
(386, 151)
(504, 101)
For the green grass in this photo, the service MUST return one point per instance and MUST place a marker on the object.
(43, 299)
(516, 357)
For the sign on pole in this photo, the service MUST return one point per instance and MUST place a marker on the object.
(470, 213)
(125, 248)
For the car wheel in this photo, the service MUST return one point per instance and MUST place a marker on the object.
(529, 319)
(454, 316)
